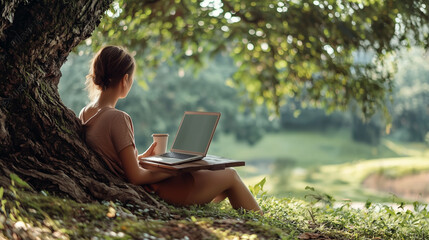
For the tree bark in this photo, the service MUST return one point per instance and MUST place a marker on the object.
(41, 139)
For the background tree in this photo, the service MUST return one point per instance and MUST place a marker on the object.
(410, 111)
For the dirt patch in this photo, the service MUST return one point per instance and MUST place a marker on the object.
(177, 230)
(413, 187)
(215, 229)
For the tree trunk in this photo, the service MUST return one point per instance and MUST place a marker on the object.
(41, 139)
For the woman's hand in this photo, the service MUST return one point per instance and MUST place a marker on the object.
(149, 152)
(136, 174)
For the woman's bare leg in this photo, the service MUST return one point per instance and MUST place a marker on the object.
(219, 198)
(215, 185)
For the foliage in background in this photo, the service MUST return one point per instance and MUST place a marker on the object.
(159, 107)
(303, 49)
(174, 90)
(410, 111)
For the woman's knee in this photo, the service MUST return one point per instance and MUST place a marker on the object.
(233, 173)
(222, 177)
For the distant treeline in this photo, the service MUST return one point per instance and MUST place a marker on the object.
(159, 104)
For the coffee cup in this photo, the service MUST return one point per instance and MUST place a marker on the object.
(161, 140)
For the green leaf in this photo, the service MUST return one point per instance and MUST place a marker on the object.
(257, 188)
(368, 204)
(3, 206)
(17, 180)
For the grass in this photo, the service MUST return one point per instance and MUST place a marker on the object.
(305, 172)
(31, 216)
(304, 148)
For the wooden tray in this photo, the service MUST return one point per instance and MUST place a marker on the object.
(209, 162)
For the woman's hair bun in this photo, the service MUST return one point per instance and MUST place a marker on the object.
(108, 67)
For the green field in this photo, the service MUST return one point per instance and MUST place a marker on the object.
(329, 161)
(305, 149)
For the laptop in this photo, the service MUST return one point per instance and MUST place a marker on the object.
(192, 139)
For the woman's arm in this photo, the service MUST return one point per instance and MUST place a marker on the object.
(149, 152)
(136, 174)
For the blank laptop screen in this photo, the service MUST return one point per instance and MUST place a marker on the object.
(195, 132)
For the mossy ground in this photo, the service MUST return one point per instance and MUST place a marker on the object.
(26, 215)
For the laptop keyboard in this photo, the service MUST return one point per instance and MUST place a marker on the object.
(177, 155)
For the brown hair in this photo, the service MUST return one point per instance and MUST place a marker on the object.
(108, 67)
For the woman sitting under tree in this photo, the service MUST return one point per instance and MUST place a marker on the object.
(110, 133)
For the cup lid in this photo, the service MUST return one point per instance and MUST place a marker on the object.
(160, 135)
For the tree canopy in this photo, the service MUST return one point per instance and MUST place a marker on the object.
(328, 53)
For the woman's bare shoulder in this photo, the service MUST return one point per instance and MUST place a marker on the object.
(90, 112)
(87, 113)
